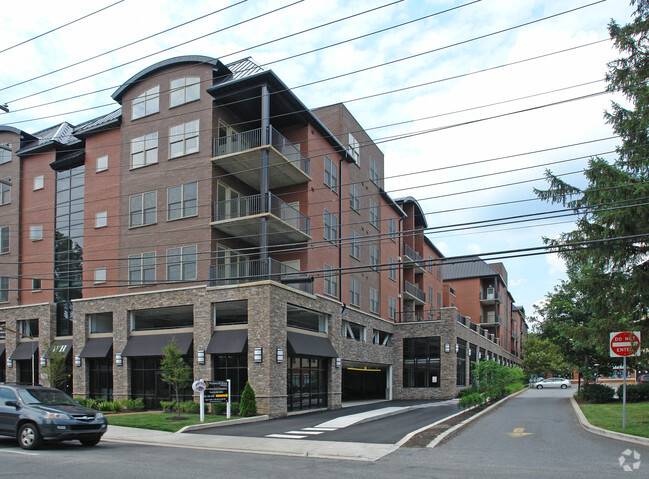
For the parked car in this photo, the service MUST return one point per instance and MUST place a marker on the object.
(552, 383)
(643, 378)
(33, 414)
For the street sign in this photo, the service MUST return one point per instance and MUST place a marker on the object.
(216, 391)
(624, 343)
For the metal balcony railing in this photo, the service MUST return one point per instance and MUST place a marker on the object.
(259, 270)
(418, 261)
(414, 291)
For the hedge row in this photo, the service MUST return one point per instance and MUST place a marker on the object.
(635, 392)
(191, 407)
(112, 406)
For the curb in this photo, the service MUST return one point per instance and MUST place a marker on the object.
(467, 421)
(620, 436)
(208, 425)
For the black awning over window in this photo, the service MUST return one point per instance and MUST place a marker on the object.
(97, 348)
(62, 345)
(309, 345)
(25, 351)
(152, 344)
(229, 341)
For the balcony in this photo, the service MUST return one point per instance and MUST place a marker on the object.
(260, 270)
(240, 155)
(427, 315)
(241, 217)
(491, 321)
(413, 260)
(413, 293)
(489, 296)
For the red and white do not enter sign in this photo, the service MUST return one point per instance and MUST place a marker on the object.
(625, 343)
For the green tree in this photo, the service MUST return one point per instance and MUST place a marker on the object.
(543, 358)
(175, 371)
(55, 371)
(493, 378)
(248, 403)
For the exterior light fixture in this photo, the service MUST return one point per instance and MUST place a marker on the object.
(479, 355)
(43, 361)
(447, 348)
(258, 355)
(10, 363)
(338, 363)
(457, 348)
(201, 356)
(280, 355)
(469, 352)
(77, 360)
(118, 359)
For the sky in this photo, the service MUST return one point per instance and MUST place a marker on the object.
(470, 101)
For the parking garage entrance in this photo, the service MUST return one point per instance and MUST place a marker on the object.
(363, 381)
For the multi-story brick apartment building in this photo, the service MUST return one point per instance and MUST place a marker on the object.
(213, 208)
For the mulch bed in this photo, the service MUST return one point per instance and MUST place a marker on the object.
(425, 437)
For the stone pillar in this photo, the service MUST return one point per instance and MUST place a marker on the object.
(121, 375)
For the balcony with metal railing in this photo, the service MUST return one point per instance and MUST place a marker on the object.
(490, 321)
(241, 217)
(413, 293)
(412, 259)
(260, 270)
(489, 296)
(240, 155)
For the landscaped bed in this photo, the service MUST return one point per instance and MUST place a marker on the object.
(159, 421)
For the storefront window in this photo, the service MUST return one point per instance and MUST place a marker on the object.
(421, 362)
(306, 383)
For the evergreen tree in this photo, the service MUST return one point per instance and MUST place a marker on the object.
(248, 403)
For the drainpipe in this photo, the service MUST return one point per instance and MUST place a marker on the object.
(400, 268)
(340, 227)
(263, 181)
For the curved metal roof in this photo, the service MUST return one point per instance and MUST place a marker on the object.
(420, 217)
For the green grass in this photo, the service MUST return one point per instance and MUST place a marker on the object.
(609, 416)
(159, 421)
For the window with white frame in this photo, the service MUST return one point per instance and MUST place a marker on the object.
(184, 90)
(141, 269)
(354, 197)
(5, 192)
(330, 174)
(5, 153)
(375, 301)
(100, 275)
(101, 219)
(392, 229)
(382, 338)
(143, 209)
(354, 292)
(181, 263)
(39, 182)
(4, 289)
(392, 268)
(354, 150)
(183, 139)
(330, 226)
(147, 103)
(102, 164)
(354, 244)
(353, 331)
(182, 201)
(330, 281)
(374, 215)
(374, 256)
(4, 239)
(36, 232)
(374, 171)
(144, 150)
(392, 308)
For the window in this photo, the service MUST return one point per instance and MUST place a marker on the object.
(382, 338)
(28, 327)
(182, 201)
(353, 150)
(439, 271)
(374, 171)
(431, 295)
(5, 153)
(147, 103)
(5, 192)
(375, 302)
(101, 219)
(431, 266)
(162, 318)
(439, 299)
(184, 90)
(374, 256)
(461, 362)
(392, 268)
(100, 323)
(230, 312)
(102, 164)
(4, 239)
(354, 197)
(100, 275)
(39, 182)
(374, 215)
(143, 209)
(330, 174)
(353, 331)
(354, 292)
(144, 150)
(181, 263)
(4, 289)
(141, 269)
(36, 233)
(330, 226)
(392, 229)
(354, 244)
(392, 307)
(330, 281)
(183, 139)
(36, 284)
(297, 317)
(421, 362)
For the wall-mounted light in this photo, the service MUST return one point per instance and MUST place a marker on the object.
(43, 361)
(338, 363)
(77, 361)
(457, 348)
(479, 355)
(280, 355)
(10, 363)
(447, 348)
(201, 356)
(258, 354)
(118, 359)
(469, 352)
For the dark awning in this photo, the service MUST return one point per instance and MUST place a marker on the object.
(228, 341)
(309, 345)
(2, 350)
(24, 351)
(97, 348)
(62, 345)
(152, 344)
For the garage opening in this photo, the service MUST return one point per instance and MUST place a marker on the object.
(364, 381)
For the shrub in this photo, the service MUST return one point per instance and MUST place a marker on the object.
(219, 408)
(471, 400)
(512, 388)
(635, 392)
(234, 408)
(168, 406)
(130, 404)
(597, 393)
(190, 407)
(466, 392)
(82, 401)
(248, 403)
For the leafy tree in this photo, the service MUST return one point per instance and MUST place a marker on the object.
(55, 372)
(248, 403)
(175, 371)
(543, 358)
(493, 378)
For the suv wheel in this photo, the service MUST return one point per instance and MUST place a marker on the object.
(29, 437)
(91, 441)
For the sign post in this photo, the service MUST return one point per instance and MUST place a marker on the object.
(218, 391)
(623, 344)
(199, 387)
